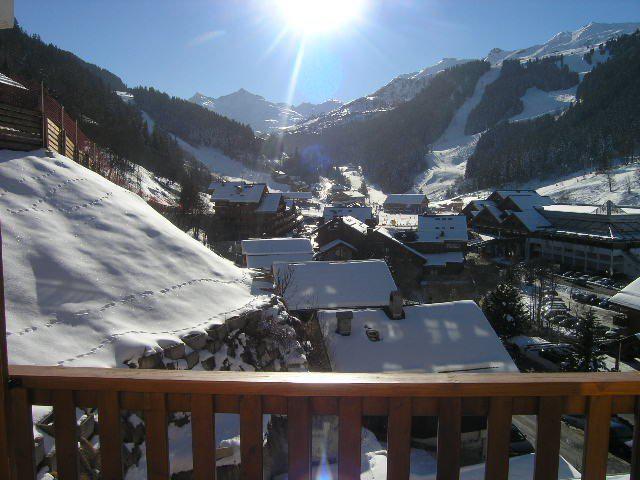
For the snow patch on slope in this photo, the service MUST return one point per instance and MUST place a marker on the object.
(537, 102)
(88, 263)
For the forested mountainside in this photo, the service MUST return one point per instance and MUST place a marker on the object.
(198, 125)
(604, 123)
(391, 145)
(503, 98)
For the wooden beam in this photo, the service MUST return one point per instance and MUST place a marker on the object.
(635, 454)
(251, 438)
(22, 437)
(548, 438)
(449, 438)
(595, 452)
(110, 436)
(5, 470)
(349, 438)
(299, 438)
(311, 384)
(399, 439)
(203, 434)
(157, 438)
(498, 438)
(66, 434)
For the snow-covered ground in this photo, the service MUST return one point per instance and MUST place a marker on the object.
(538, 102)
(376, 196)
(93, 270)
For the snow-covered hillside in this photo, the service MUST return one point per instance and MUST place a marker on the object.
(448, 160)
(399, 90)
(91, 271)
(261, 114)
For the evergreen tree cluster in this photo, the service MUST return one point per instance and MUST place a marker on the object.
(587, 355)
(603, 124)
(197, 125)
(505, 310)
(502, 99)
(391, 145)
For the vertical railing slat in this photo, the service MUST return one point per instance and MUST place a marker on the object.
(251, 437)
(635, 453)
(157, 438)
(22, 434)
(299, 438)
(548, 438)
(399, 438)
(203, 434)
(498, 438)
(349, 438)
(66, 434)
(449, 438)
(596, 438)
(110, 435)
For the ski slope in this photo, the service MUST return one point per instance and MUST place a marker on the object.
(92, 273)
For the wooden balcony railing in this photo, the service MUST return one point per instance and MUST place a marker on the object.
(301, 395)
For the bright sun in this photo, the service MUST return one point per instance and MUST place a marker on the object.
(316, 16)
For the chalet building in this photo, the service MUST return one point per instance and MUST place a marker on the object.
(407, 203)
(298, 199)
(262, 253)
(363, 214)
(245, 210)
(443, 240)
(591, 238)
(627, 301)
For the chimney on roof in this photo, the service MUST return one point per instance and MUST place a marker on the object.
(343, 326)
(395, 305)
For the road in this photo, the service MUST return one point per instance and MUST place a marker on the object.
(571, 442)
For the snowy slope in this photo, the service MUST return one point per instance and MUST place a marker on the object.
(92, 270)
(448, 160)
(399, 90)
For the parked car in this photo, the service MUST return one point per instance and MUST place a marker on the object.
(615, 332)
(605, 303)
(519, 445)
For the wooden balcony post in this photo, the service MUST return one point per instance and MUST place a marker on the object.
(595, 452)
(349, 438)
(110, 436)
(635, 454)
(66, 434)
(157, 437)
(4, 381)
(548, 438)
(203, 433)
(251, 437)
(399, 438)
(498, 437)
(449, 438)
(299, 438)
(22, 437)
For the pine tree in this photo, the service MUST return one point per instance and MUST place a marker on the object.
(505, 310)
(363, 189)
(586, 356)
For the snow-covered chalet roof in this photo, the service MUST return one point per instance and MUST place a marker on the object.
(322, 285)
(441, 337)
(629, 296)
(11, 82)
(528, 202)
(328, 246)
(532, 220)
(359, 213)
(441, 259)
(267, 246)
(237, 192)
(442, 228)
(270, 203)
(405, 199)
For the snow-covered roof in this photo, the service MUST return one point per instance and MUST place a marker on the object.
(569, 208)
(237, 192)
(528, 202)
(629, 296)
(359, 213)
(265, 262)
(298, 195)
(478, 204)
(442, 228)
(268, 246)
(94, 264)
(442, 337)
(441, 259)
(532, 220)
(405, 199)
(317, 285)
(328, 246)
(388, 235)
(270, 203)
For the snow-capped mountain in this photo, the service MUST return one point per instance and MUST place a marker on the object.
(399, 90)
(261, 114)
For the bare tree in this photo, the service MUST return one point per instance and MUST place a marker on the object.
(283, 280)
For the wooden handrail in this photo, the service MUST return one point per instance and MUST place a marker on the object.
(328, 384)
(398, 396)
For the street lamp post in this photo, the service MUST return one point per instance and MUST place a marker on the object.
(620, 340)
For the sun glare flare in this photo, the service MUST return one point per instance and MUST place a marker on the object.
(318, 16)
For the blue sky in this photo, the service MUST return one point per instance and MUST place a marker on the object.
(218, 46)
